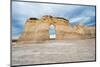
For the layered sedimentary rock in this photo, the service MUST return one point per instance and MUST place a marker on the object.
(36, 30)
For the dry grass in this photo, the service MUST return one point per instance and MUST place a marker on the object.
(54, 51)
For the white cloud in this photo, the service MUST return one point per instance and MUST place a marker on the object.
(79, 19)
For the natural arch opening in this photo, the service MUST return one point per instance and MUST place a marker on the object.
(52, 31)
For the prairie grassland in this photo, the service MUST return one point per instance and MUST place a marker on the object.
(54, 51)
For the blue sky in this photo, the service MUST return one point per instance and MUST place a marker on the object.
(21, 11)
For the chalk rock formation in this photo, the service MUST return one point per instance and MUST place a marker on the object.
(36, 30)
(85, 31)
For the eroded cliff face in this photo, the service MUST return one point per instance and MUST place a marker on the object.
(36, 30)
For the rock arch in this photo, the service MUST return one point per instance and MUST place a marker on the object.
(36, 30)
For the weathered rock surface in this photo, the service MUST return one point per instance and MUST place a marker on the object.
(36, 30)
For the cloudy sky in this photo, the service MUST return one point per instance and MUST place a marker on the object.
(21, 11)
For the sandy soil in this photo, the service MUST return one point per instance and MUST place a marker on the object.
(53, 52)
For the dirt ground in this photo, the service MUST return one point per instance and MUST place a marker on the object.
(53, 51)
